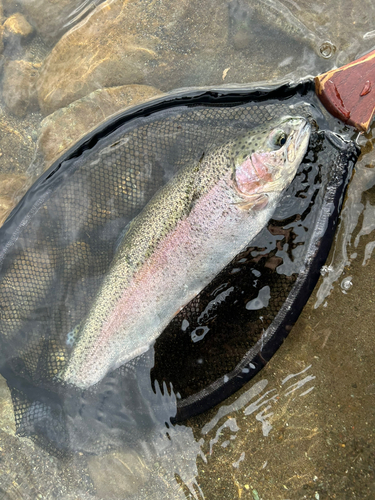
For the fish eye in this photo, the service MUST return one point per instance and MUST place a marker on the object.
(278, 138)
(281, 140)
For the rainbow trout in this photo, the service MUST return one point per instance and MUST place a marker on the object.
(190, 230)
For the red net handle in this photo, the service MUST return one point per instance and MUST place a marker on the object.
(348, 93)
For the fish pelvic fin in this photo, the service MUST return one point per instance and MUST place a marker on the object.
(254, 202)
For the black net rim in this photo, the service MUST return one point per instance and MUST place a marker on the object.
(316, 255)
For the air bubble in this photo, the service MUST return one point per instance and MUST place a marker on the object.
(184, 325)
(327, 49)
(325, 270)
(346, 284)
(70, 339)
(261, 301)
(199, 333)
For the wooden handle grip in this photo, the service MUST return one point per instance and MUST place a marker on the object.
(349, 92)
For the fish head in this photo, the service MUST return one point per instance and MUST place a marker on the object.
(266, 159)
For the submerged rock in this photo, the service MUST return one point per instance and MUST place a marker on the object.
(128, 42)
(19, 91)
(6, 206)
(7, 422)
(17, 141)
(169, 45)
(247, 20)
(16, 26)
(12, 187)
(12, 184)
(28, 471)
(118, 474)
(50, 18)
(66, 126)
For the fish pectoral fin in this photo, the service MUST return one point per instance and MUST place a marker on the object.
(255, 202)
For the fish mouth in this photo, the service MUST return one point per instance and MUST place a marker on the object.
(297, 143)
(303, 134)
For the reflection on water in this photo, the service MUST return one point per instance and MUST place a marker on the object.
(304, 427)
(357, 206)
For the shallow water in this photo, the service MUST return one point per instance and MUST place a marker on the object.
(304, 426)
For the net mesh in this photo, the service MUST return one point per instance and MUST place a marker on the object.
(59, 244)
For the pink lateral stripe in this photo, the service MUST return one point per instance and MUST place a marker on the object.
(147, 281)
